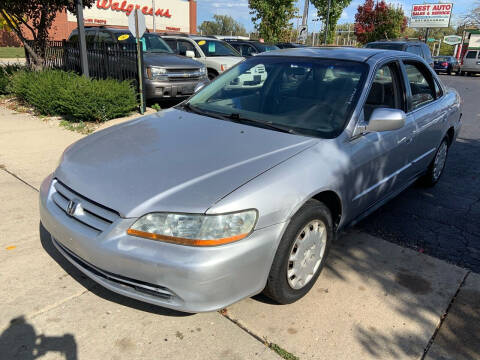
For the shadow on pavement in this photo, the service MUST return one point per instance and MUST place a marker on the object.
(98, 289)
(20, 341)
(417, 288)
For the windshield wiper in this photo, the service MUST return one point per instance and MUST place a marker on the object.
(235, 117)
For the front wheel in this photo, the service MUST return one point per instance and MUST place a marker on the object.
(301, 254)
(436, 167)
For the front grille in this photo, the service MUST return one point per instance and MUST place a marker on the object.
(183, 74)
(81, 209)
(137, 285)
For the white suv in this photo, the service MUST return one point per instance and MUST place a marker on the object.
(217, 55)
(471, 63)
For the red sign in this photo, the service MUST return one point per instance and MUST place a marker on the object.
(127, 8)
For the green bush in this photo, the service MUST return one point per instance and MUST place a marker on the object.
(54, 92)
(6, 73)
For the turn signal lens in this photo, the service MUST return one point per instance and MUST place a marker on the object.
(195, 229)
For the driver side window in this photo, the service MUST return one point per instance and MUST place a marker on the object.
(385, 91)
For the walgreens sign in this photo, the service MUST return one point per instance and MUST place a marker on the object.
(127, 8)
(168, 13)
(431, 15)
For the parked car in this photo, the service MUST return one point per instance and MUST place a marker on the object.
(250, 47)
(167, 75)
(415, 47)
(290, 45)
(448, 64)
(471, 63)
(215, 54)
(240, 190)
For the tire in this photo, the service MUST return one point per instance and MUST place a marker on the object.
(212, 75)
(283, 284)
(449, 71)
(435, 169)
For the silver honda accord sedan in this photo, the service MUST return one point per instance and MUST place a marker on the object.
(243, 187)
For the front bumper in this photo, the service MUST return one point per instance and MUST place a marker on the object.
(170, 89)
(179, 277)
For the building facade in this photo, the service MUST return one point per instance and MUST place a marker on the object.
(169, 15)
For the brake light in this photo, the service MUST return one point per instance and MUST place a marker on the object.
(445, 64)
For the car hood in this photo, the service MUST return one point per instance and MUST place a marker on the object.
(226, 60)
(170, 61)
(172, 161)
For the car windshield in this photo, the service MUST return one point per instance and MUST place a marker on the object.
(150, 42)
(216, 48)
(267, 47)
(385, 46)
(313, 97)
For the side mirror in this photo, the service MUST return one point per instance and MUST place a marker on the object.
(190, 54)
(385, 119)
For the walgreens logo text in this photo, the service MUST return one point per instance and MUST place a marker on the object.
(127, 8)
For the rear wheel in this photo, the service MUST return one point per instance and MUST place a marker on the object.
(449, 71)
(301, 254)
(436, 167)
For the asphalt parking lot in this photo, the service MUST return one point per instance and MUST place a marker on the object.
(443, 221)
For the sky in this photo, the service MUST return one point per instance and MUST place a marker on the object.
(239, 10)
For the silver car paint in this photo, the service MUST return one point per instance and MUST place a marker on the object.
(156, 163)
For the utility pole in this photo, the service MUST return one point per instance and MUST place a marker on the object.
(327, 23)
(81, 39)
(314, 23)
(305, 12)
(153, 15)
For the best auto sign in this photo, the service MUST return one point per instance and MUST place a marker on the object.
(431, 15)
(168, 13)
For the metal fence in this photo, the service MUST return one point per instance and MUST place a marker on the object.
(116, 61)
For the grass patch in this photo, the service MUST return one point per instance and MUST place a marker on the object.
(283, 353)
(80, 127)
(9, 52)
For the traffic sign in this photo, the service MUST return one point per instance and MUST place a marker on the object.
(141, 24)
(302, 33)
(452, 39)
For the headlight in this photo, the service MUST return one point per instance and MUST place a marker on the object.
(195, 229)
(203, 71)
(157, 73)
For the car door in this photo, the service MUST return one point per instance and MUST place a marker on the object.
(426, 105)
(381, 157)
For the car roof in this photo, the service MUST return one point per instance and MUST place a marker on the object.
(340, 53)
(400, 42)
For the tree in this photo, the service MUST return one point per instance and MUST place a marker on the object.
(336, 9)
(34, 17)
(222, 25)
(272, 18)
(379, 21)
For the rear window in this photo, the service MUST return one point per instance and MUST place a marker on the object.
(471, 55)
(385, 46)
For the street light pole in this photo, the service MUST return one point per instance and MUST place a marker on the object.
(81, 39)
(326, 23)
(314, 23)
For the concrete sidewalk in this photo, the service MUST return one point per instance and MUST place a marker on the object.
(373, 300)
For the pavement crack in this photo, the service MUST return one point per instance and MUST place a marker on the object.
(56, 304)
(444, 315)
(18, 177)
(272, 346)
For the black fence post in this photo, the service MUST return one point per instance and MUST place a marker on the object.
(142, 67)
